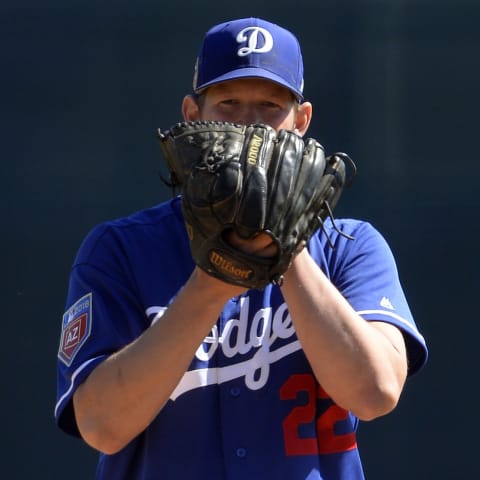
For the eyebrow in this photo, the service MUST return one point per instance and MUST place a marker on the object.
(273, 89)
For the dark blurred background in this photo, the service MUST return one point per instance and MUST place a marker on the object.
(83, 87)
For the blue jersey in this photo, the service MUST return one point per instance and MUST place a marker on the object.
(249, 405)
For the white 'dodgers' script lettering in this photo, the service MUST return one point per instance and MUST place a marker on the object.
(236, 338)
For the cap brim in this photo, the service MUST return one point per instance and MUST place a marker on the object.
(251, 72)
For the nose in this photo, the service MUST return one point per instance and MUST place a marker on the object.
(249, 115)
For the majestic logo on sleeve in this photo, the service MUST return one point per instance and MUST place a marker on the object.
(258, 40)
(76, 327)
(240, 337)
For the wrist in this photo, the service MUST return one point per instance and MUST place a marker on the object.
(213, 287)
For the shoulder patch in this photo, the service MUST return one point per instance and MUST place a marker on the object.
(76, 328)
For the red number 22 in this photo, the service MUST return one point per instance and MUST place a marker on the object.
(326, 440)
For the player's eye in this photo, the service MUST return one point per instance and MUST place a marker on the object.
(229, 102)
(271, 105)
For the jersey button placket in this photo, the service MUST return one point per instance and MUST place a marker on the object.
(241, 452)
(235, 392)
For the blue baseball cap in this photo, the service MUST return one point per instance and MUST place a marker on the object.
(249, 48)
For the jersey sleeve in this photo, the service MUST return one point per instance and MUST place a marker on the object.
(102, 315)
(365, 272)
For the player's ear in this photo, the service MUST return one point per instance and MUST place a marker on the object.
(190, 109)
(303, 117)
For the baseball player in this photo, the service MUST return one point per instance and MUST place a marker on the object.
(172, 369)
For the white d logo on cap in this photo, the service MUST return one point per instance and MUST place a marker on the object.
(250, 35)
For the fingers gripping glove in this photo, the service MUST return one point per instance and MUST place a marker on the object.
(250, 180)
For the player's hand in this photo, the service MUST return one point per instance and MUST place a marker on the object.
(262, 245)
(250, 179)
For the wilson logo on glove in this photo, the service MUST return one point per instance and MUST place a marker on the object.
(229, 267)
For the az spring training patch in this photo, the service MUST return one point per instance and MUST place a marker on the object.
(76, 327)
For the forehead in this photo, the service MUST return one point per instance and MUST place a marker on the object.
(251, 87)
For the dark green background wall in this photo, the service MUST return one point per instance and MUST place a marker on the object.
(85, 84)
